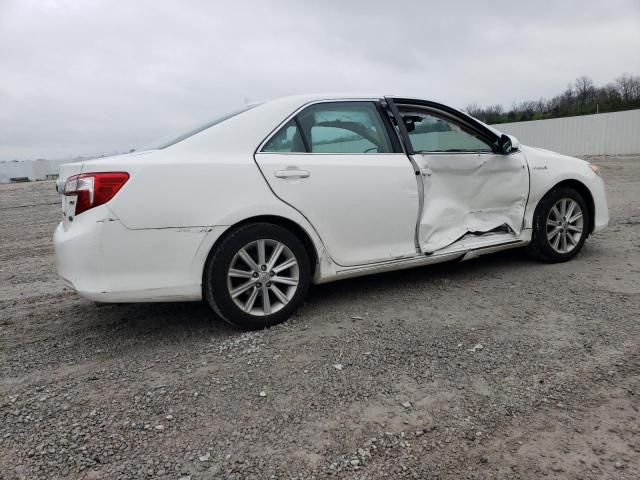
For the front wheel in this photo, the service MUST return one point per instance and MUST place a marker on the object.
(257, 276)
(560, 226)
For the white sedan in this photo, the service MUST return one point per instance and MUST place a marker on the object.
(248, 209)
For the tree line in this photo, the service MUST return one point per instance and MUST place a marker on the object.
(581, 97)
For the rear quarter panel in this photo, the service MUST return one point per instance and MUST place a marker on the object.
(185, 189)
(208, 179)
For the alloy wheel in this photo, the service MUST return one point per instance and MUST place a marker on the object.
(565, 224)
(263, 277)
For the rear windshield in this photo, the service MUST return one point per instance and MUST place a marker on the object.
(173, 139)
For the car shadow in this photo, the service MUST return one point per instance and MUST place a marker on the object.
(196, 318)
(396, 281)
(171, 328)
(143, 318)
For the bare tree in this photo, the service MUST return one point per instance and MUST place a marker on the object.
(495, 110)
(629, 87)
(492, 114)
(474, 110)
(584, 89)
(581, 97)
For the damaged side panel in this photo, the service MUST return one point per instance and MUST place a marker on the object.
(470, 193)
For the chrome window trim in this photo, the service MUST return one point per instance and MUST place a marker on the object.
(329, 153)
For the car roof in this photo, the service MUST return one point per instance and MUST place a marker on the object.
(246, 131)
(297, 101)
(311, 97)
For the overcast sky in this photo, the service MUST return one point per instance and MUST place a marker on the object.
(87, 77)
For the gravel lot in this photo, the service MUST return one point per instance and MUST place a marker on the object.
(495, 368)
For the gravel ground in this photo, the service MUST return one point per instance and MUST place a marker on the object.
(495, 368)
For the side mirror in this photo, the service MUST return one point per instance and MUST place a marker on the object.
(508, 144)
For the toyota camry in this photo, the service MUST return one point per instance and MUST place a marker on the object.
(249, 209)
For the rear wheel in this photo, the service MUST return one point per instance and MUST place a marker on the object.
(560, 226)
(258, 276)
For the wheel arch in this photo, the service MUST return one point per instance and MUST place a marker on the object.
(284, 222)
(584, 191)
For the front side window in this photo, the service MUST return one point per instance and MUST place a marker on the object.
(333, 127)
(431, 133)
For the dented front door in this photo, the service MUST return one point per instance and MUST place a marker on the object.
(466, 185)
(470, 192)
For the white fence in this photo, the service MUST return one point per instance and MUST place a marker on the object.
(615, 133)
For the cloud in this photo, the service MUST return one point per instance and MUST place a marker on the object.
(86, 77)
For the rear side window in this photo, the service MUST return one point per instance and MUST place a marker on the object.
(288, 139)
(334, 127)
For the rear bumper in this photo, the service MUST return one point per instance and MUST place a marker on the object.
(104, 261)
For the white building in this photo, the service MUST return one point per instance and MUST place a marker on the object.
(31, 169)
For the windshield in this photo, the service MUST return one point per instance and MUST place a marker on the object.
(173, 139)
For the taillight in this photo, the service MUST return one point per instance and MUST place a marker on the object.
(93, 189)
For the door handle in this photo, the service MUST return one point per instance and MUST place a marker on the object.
(292, 173)
(426, 171)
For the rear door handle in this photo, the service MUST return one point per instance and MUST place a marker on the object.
(292, 173)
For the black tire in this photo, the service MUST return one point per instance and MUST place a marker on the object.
(540, 247)
(215, 281)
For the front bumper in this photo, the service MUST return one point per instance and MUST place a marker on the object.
(601, 216)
